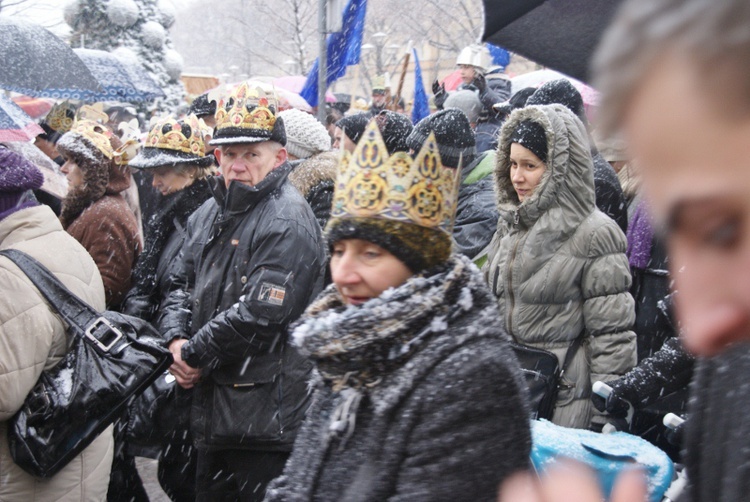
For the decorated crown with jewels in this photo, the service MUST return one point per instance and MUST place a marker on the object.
(184, 136)
(250, 108)
(371, 184)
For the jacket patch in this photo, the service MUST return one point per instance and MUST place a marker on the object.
(272, 293)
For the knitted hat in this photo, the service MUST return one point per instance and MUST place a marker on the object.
(453, 133)
(518, 100)
(171, 142)
(406, 206)
(467, 101)
(354, 125)
(201, 106)
(395, 128)
(249, 115)
(530, 134)
(560, 91)
(305, 136)
(17, 175)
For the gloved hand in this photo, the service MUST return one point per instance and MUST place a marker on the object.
(480, 82)
(615, 405)
(440, 93)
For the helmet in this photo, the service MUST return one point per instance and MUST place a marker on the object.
(475, 55)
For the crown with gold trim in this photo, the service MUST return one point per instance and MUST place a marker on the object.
(249, 115)
(61, 116)
(90, 125)
(172, 142)
(370, 184)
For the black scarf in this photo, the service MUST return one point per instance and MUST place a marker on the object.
(179, 205)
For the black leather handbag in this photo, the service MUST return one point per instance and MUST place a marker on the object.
(112, 358)
(543, 375)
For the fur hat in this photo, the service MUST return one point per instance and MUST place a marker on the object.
(249, 115)
(171, 142)
(354, 125)
(453, 134)
(17, 175)
(395, 128)
(406, 206)
(560, 91)
(305, 136)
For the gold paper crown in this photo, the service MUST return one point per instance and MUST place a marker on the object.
(61, 117)
(370, 184)
(251, 105)
(185, 136)
(96, 133)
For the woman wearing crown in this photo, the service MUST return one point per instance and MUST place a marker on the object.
(418, 395)
(557, 264)
(94, 210)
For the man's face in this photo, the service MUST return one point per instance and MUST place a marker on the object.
(696, 172)
(249, 163)
(378, 98)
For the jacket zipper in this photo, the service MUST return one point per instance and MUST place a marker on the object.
(511, 297)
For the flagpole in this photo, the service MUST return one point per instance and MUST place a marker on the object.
(322, 62)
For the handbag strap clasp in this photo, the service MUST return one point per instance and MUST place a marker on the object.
(103, 334)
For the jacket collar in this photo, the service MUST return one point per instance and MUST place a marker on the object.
(240, 198)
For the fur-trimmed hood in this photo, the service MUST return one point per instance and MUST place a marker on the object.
(568, 181)
(315, 170)
(101, 176)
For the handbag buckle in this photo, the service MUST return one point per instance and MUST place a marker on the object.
(107, 335)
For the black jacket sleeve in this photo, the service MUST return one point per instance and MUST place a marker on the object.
(283, 272)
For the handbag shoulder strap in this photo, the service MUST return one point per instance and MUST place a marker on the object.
(72, 309)
(572, 349)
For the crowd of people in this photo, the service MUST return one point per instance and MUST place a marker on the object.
(340, 299)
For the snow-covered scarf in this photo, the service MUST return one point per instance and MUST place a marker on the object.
(356, 346)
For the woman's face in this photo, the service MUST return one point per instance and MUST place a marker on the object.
(71, 171)
(362, 270)
(339, 137)
(169, 180)
(526, 170)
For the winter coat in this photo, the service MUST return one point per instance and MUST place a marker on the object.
(314, 178)
(717, 434)
(33, 339)
(476, 211)
(558, 268)
(609, 197)
(165, 236)
(253, 259)
(99, 217)
(448, 422)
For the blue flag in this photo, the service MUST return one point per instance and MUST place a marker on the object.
(421, 108)
(343, 50)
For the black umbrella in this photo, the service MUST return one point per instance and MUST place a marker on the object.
(34, 59)
(559, 34)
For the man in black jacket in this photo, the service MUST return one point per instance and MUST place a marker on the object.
(253, 260)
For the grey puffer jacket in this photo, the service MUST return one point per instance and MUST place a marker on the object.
(558, 267)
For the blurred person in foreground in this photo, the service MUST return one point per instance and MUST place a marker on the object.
(417, 396)
(689, 129)
(33, 338)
